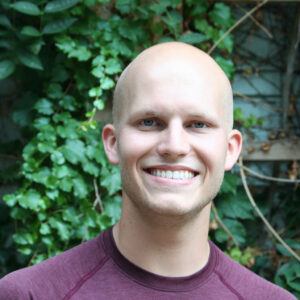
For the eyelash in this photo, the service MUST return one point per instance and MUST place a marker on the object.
(156, 123)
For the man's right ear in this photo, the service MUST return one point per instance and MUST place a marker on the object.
(110, 143)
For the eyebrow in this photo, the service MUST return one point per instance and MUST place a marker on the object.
(155, 113)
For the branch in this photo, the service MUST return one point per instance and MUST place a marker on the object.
(224, 226)
(268, 177)
(256, 22)
(247, 15)
(257, 102)
(98, 198)
(10, 156)
(268, 225)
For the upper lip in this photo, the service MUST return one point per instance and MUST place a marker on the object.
(171, 168)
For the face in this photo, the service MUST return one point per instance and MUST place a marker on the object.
(172, 143)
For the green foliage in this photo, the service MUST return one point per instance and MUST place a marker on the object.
(69, 54)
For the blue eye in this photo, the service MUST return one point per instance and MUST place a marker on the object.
(198, 125)
(148, 122)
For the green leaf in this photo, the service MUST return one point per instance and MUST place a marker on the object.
(31, 199)
(62, 228)
(29, 60)
(59, 5)
(62, 171)
(27, 8)
(44, 106)
(111, 179)
(68, 102)
(99, 104)
(70, 130)
(45, 229)
(23, 238)
(107, 83)
(57, 157)
(192, 38)
(7, 67)
(226, 65)
(4, 21)
(235, 207)
(95, 92)
(74, 151)
(58, 25)
(112, 208)
(124, 6)
(70, 215)
(229, 184)
(112, 66)
(221, 15)
(30, 31)
(80, 187)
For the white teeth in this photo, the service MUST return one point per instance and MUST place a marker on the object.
(172, 174)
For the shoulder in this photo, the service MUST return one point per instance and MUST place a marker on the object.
(245, 282)
(55, 275)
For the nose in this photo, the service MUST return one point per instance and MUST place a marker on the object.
(173, 141)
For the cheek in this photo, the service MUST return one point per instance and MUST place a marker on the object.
(212, 151)
(133, 146)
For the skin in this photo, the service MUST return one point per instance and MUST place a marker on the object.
(172, 112)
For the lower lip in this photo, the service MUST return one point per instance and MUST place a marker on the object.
(172, 182)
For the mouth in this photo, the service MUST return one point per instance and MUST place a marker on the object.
(172, 174)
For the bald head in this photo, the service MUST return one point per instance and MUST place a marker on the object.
(177, 64)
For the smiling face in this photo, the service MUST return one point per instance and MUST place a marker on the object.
(172, 137)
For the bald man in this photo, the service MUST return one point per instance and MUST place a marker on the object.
(173, 139)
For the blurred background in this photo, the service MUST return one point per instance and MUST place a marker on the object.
(59, 62)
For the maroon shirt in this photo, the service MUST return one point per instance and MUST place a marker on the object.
(97, 270)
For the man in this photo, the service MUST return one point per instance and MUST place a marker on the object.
(172, 136)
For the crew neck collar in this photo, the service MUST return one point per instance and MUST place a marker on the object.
(154, 281)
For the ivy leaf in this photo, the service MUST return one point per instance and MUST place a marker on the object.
(23, 238)
(124, 6)
(44, 106)
(4, 21)
(235, 207)
(27, 8)
(57, 157)
(236, 228)
(62, 171)
(107, 83)
(7, 67)
(226, 65)
(221, 15)
(229, 183)
(30, 31)
(112, 66)
(113, 207)
(192, 38)
(74, 151)
(62, 228)
(80, 187)
(99, 104)
(29, 60)
(111, 179)
(58, 25)
(45, 229)
(59, 5)
(68, 102)
(31, 199)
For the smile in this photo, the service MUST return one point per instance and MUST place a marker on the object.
(178, 174)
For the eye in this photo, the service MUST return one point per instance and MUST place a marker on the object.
(199, 125)
(148, 123)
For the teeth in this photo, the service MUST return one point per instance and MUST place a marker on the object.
(172, 174)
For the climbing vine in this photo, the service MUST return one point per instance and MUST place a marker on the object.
(63, 58)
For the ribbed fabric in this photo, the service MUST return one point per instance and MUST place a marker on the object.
(97, 270)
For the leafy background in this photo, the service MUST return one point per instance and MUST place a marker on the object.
(63, 58)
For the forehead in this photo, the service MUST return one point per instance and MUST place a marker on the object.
(174, 91)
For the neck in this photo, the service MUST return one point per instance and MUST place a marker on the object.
(164, 246)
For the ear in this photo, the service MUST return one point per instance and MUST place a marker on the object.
(110, 143)
(234, 149)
